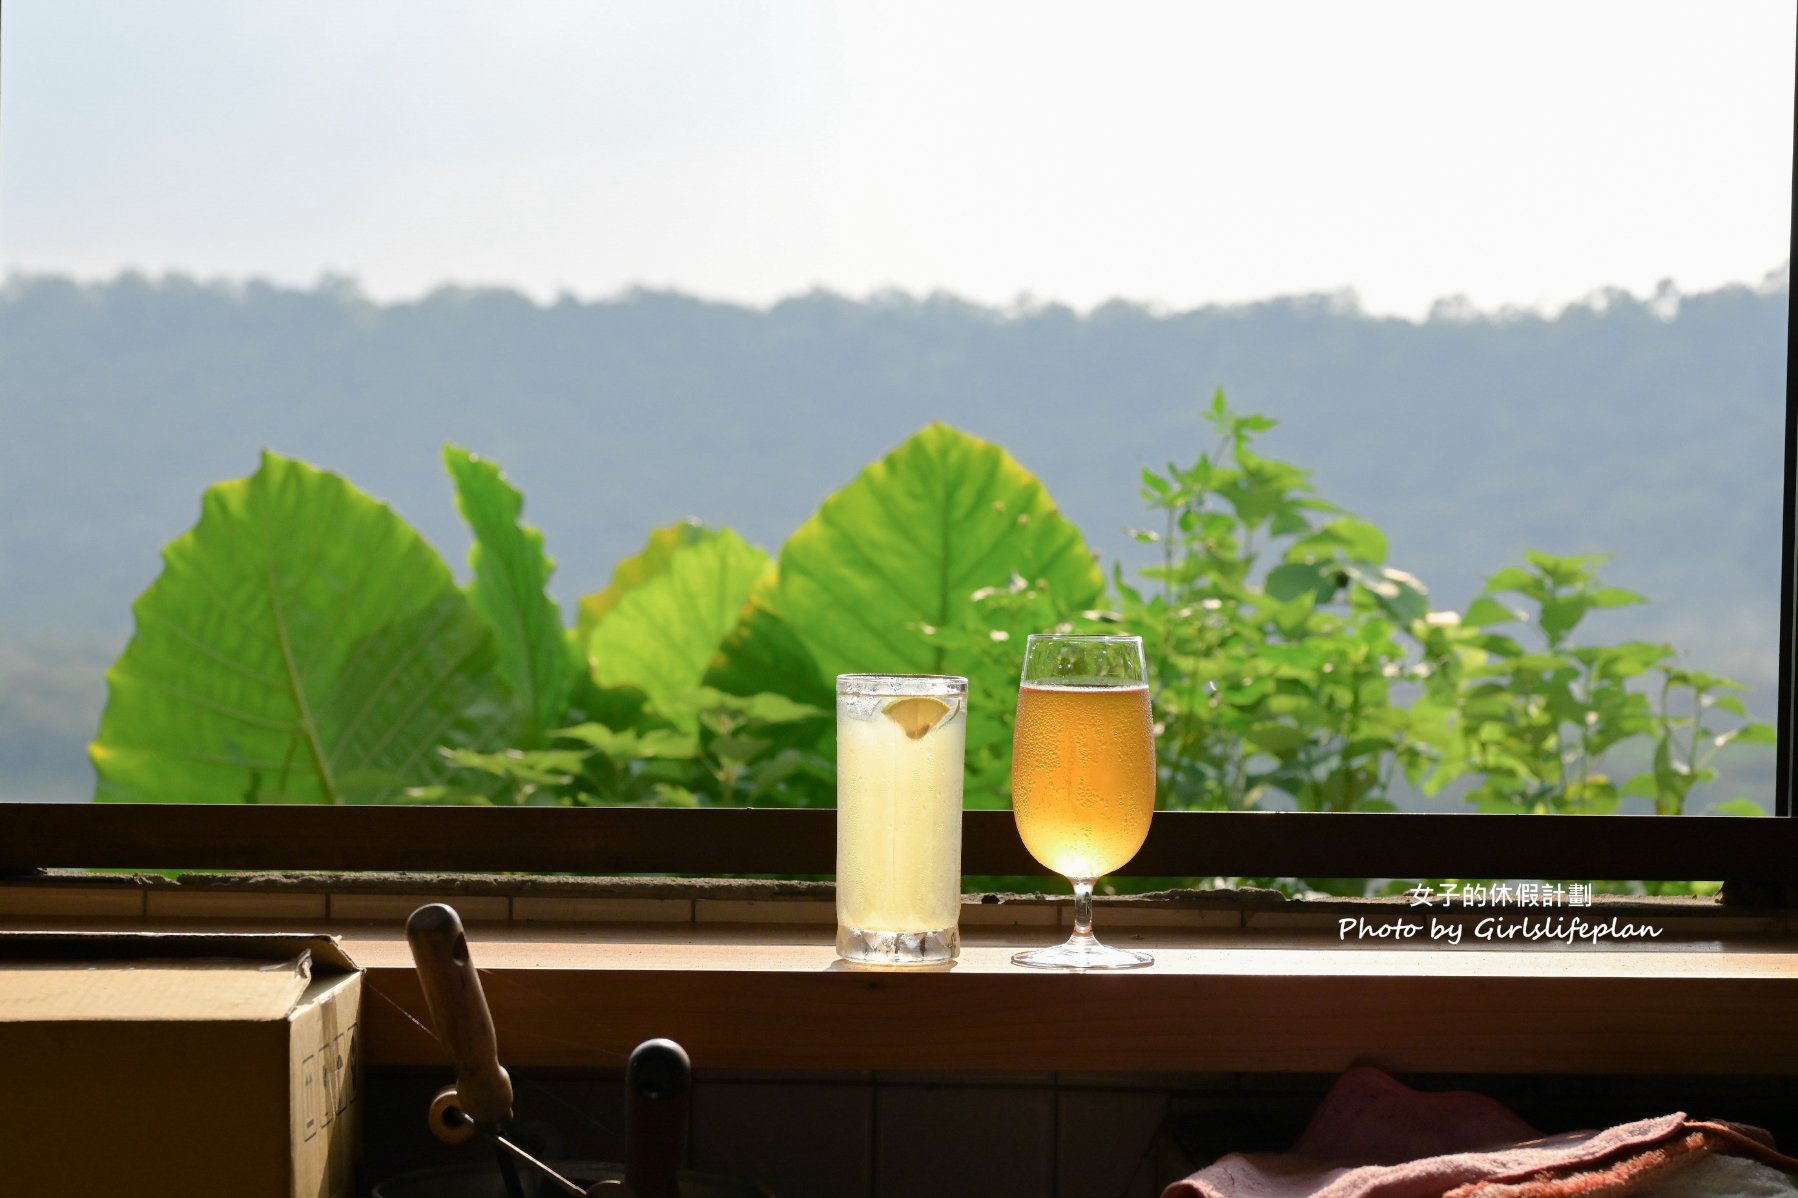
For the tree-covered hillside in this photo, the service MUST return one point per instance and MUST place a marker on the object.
(1649, 429)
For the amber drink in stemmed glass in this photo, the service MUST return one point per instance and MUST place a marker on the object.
(1083, 775)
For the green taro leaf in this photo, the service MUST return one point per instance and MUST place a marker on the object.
(763, 654)
(636, 570)
(884, 580)
(662, 634)
(511, 580)
(302, 644)
(909, 542)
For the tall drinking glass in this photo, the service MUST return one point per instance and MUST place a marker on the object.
(900, 740)
(1083, 775)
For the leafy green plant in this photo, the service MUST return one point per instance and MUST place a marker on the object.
(1294, 666)
(703, 673)
(511, 589)
(1538, 721)
(1685, 746)
(1545, 725)
(1274, 625)
(661, 635)
(760, 750)
(303, 644)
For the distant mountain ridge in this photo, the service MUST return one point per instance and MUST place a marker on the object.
(1652, 429)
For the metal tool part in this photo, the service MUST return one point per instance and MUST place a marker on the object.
(454, 1127)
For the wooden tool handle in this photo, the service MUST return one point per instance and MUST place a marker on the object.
(657, 1083)
(459, 1013)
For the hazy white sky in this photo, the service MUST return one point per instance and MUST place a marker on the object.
(1184, 153)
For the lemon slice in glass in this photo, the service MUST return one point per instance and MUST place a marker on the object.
(917, 714)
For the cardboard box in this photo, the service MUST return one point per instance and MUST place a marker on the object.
(157, 1064)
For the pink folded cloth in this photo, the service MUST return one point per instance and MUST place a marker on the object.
(1373, 1137)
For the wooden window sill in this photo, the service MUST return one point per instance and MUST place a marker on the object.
(771, 998)
(751, 983)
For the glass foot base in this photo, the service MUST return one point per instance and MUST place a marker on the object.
(1088, 954)
(866, 947)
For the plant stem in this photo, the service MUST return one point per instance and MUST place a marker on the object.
(1585, 741)
(1697, 720)
(1167, 567)
(1354, 721)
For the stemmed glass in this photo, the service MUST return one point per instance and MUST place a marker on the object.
(1083, 775)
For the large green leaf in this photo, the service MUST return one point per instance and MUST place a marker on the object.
(511, 580)
(909, 543)
(623, 706)
(661, 634)
(936, 559)
(302, 644)
(638, 569)
(762, 655)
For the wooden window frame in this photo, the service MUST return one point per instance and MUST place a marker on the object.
(1756, 853)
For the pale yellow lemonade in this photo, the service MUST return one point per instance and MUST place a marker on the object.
(1083, 775)
(899, 787)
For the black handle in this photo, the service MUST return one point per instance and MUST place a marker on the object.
(657, 1081)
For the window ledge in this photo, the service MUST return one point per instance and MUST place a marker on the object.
(742, 972)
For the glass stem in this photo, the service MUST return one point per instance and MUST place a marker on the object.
(1083, 912)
